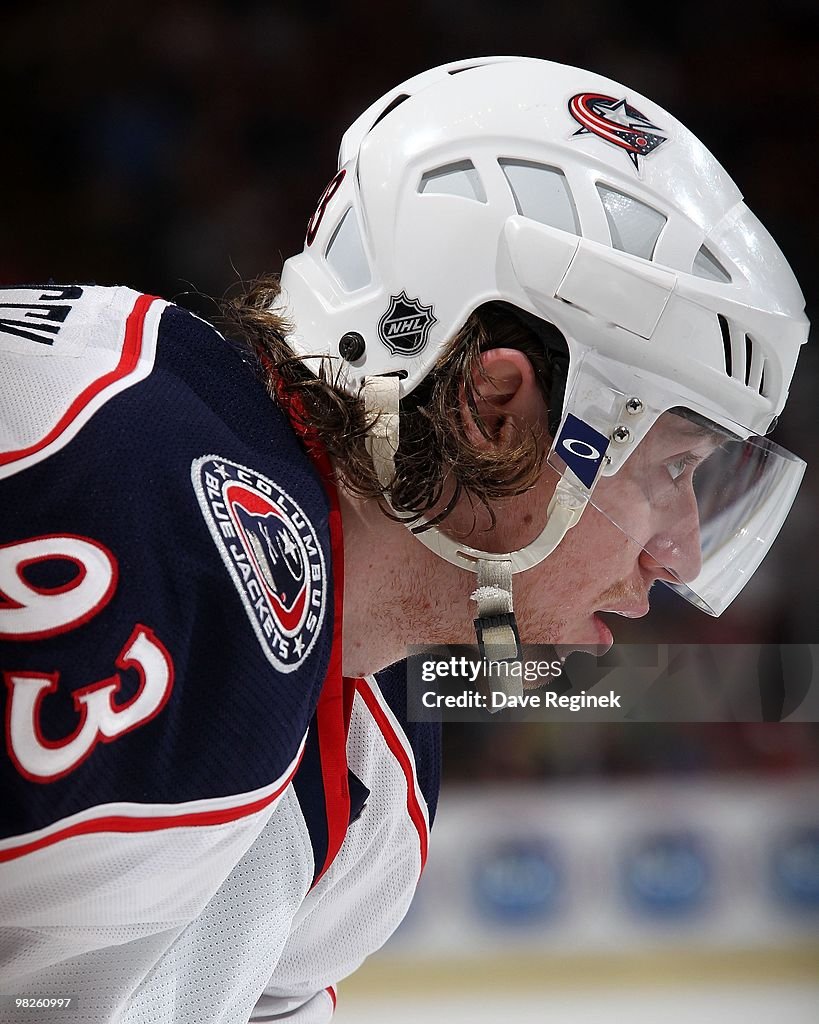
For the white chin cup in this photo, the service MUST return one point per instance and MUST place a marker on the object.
(563, 512)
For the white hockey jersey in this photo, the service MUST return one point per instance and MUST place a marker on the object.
(201, 820)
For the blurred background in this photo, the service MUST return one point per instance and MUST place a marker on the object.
(594, 872)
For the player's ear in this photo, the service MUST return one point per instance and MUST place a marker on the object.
(507, 398)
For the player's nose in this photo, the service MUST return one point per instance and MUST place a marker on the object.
(674, 552)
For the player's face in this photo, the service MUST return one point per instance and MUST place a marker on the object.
(643, 527)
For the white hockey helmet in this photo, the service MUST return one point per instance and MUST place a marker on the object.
(584, 204)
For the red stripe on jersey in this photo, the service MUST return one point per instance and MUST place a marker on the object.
(123, 823)
(399, 751)
(334, 705)
(331, 992)
(128, 360)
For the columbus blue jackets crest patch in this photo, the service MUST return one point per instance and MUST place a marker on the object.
(272, 553)
(615, 121)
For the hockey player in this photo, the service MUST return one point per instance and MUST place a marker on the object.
(535, 324)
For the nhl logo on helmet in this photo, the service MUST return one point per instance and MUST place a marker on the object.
(405, 327)
(272, 553)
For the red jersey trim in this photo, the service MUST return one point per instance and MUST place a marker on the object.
(334, 705)
(398, 747)
(128, 361)
(183, 819)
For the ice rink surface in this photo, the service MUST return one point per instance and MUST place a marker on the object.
(750, 1004)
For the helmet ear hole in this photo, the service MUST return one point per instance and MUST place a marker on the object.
(541, 341)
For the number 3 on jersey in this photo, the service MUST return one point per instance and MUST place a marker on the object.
(29, 611)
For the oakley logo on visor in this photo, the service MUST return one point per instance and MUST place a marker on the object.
(582, 448)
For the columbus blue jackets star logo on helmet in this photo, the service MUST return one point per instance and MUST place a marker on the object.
(405, 327)
(272, 553)
(617, 122)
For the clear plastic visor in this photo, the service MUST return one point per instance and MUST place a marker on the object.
(700, 504)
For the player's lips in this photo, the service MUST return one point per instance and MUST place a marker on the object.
(635, 610)
(592, 637)
(605, 638)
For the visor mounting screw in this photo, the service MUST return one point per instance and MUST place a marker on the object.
(634, 406)
(351, 346)
(621, 434)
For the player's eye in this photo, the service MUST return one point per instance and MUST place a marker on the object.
(678, 466)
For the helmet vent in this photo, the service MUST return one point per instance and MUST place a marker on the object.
(389, 108)
(749, 352)
(754, 365)
(744, 359)
(459, 179)
(708, 266)
(726, 344)
(542, 194)
(345, 254)
(634, 226)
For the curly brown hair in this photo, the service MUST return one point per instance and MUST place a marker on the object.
(436, 461)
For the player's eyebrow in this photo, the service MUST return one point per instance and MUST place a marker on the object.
(696, 426)
(700, 431)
